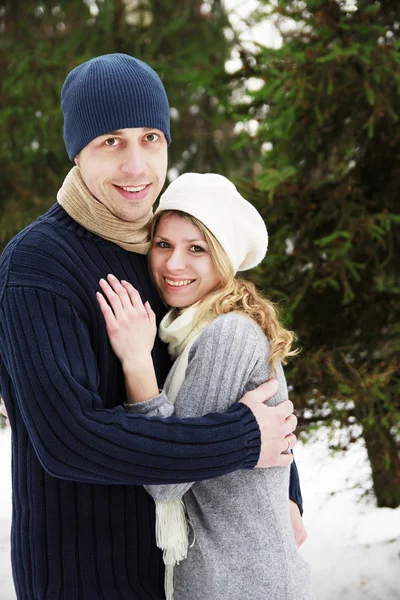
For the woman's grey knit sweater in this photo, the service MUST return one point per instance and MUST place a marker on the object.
(244, 547)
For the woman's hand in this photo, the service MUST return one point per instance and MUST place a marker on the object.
(299, 531)
(131, 325)
(3, 411)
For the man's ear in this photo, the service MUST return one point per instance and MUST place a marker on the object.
(76, 160)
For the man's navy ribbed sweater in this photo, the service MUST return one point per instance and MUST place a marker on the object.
(83, 527)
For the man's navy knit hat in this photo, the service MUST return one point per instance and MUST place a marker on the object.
(108, 93)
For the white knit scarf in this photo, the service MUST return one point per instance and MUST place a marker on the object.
(179, 331)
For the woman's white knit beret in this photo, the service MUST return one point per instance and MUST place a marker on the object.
(215, 201)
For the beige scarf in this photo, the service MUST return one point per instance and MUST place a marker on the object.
(85, 209)
(172, 527)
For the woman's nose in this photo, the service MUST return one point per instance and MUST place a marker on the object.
(176, 261)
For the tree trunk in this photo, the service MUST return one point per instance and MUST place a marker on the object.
(385, 464)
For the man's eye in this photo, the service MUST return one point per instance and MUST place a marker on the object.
(111, 142)
(152, 137)
(197, 249)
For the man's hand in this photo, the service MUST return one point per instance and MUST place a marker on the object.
(276, 424)
(299, 531)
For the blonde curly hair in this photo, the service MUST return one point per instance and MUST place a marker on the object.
(234, 294)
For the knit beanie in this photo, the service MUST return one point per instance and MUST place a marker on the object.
(108, 93)
(215, 201)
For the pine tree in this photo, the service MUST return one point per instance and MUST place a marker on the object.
(41, 41)
(328, 185)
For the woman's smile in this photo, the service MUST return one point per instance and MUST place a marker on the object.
(178, 283)
(181, 262)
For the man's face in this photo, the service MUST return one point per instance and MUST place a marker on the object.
(125, 170)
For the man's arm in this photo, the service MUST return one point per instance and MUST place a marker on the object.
(160, 406)
(221, 365)
(46, 350)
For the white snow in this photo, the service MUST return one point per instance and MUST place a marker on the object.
(6, 585)
(353, 547)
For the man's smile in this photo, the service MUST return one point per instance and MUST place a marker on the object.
(138, 192)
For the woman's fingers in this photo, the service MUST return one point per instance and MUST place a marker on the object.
(150, 313)
(119, 290)
(112, 297)
(123, 297)
(131, 327)
(134, 296)
(116, 295)
(105, 308)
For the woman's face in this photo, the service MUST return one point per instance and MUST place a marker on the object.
(181, 263)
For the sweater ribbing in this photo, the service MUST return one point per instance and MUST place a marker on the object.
(241, 519)
(82, 525)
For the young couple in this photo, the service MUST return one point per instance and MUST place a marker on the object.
(90, 426)
(225, 339)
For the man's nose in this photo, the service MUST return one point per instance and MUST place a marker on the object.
(133, 160)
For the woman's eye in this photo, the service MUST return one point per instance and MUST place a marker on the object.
(197, 249)
(111, 142)
(152, 137)
(162, 245)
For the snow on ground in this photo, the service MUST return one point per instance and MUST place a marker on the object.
(353, 547)
(6, 586)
